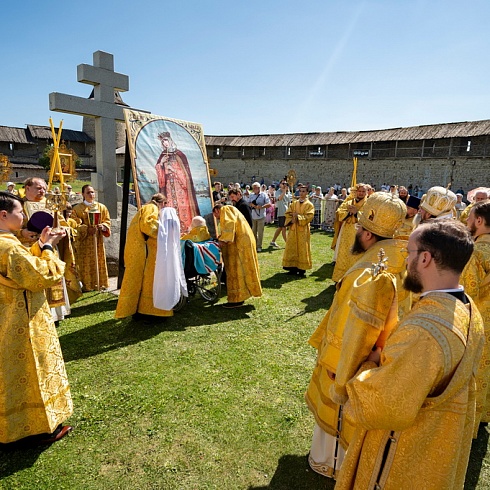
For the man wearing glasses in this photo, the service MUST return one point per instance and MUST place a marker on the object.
(413, 404)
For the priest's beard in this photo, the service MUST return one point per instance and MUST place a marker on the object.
(417, 219)
(357, 247)
(412, 282)
(472, 229)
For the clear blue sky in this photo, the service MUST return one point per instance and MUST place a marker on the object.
(256, 66)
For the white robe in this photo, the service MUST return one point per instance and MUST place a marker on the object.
(169, 280)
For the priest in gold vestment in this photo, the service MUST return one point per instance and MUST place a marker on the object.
(414, 414)
(68, 290)
(476, 281)
(136, 295)
(347, 216)
(91, 238)
(297, 254)
(364, 310)
(408, 224)
(239, 256)
(34, 391)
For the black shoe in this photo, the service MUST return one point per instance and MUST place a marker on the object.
(58, 434)
(234, 305)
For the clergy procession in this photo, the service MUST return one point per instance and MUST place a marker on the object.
(399, 388)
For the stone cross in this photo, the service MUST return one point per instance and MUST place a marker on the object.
(105, 81)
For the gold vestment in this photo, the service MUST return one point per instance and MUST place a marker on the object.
(345, 258)
(239, 256)
(476, 281)
(34, 391)
(405, 229)
(298, 251)
(55, 294)
(198, 234)
(463, 217)
(414, 414)
(85, 247)
(136, 293)
(361, 310)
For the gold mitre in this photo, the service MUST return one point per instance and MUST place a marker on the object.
(382, 214)
(438, 200)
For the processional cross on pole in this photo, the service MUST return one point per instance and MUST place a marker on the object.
(106, 112)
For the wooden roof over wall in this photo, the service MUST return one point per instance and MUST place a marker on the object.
(32, 133)
(44, 133)
(15, 135)
(433, 131)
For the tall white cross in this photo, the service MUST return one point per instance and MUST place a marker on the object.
(103, 108)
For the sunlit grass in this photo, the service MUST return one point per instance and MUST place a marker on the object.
(212, 398)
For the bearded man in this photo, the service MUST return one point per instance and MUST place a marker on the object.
(347, 216)
(413, 404)
(476, 281)
(407, 226)
(365, 308)
(438, 203)
(297, 254)
(61, 295)
(91, 259)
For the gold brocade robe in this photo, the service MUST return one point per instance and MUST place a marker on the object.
(476, 281)
(198, 234)
(239, 256)
(86, 244)
(55, 295)
(298, 251)
(463, 217)
(414, 414)
(360, 312)
(34, 391)
(136, 293)
(345, 258)
(405, 229)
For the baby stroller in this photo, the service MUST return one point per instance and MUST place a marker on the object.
(202, 269)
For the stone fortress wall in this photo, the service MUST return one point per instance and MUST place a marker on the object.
(466, 173)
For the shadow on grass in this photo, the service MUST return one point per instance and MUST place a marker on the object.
(323, 273)
(293, 472)
(278, 279)
(477, 456)
(106, 336)
(104, 304)
(321, 301)
(110, 334)
(14, 459)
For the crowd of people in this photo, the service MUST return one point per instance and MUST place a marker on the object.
(400, 384)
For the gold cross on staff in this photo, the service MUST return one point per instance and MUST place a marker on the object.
(56, 162)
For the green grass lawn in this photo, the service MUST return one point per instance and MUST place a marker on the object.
(211, 398)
